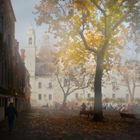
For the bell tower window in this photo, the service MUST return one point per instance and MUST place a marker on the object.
(30, 40)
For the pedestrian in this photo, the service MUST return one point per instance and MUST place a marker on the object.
(11, 113)
(83, 107)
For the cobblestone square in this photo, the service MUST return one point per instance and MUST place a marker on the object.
(42, 124)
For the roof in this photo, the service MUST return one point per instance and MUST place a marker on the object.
(11, 8)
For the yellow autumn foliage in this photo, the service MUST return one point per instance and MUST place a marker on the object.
(94, 39)
(74, 53)
(83, 4)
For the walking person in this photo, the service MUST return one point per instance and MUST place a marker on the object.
(11, 113)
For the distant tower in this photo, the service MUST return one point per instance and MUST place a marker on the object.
(30, 61)
(30, 53)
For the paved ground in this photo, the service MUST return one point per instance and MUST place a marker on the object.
(40, 124)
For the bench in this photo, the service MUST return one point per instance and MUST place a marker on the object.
(87, 113)
(127, 115)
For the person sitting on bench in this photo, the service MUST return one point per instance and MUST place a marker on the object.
(83, 107)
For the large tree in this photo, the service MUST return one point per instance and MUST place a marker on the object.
(98, 23)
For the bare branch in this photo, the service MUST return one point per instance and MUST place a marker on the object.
(134, 87)
(60, 84)
(77, 88)
(121, 3)
(99, 8)
(123, 17)
(62, 9)
(83, 84)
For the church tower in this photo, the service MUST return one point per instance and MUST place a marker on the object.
(30, 60)
(30, 53)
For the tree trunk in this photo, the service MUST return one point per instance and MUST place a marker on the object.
(64, 101)
(98, 113)
(132, 98)
(131, 92)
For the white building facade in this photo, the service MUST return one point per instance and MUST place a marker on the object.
(45, 89)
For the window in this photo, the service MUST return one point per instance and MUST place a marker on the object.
(76, 95)
(1, 24)
(50, 85)
(9, 41)
(88, 95)
(50, 97)
(115, 86)
(92, 88)
(2, 102)
(30, 40)
(39, 85)
(39, 96)
(113, 96)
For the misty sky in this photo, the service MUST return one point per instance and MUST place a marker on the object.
(24, 14)
(23, 10)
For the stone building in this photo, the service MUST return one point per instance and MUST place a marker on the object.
(39, 79)
(12, 68)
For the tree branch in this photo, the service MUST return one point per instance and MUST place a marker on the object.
(99, 8)
(83, 85)
(62, 9)
(85, 43)
(77, 88)
(121, 3)
(60, 84)
(120, 21)
(68, 86)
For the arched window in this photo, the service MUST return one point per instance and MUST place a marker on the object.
(50, 85)
(39, 85)
(39, 96)
(50, 97)
(30, 40)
